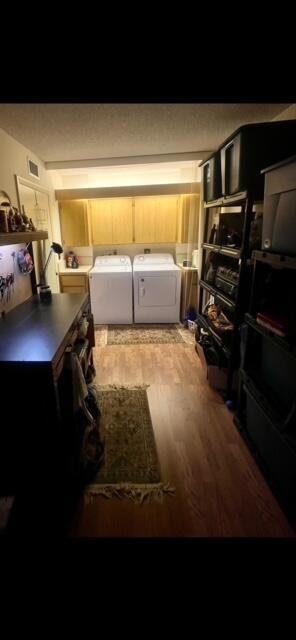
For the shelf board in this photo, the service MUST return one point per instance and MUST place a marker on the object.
(20, 237)
(227, 201)
(215, 292)
(212, 247)
(213, 203)
(275, 259)
(270, 335)
(231, 252)
(224, 250)
(235, 198)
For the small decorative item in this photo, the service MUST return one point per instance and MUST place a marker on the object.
(212, 238)
(25, 262)
(26, 220)
(11, 221)
(32, 226)
(45, 291)
(3, 221)
(72, 260)
(5, 205)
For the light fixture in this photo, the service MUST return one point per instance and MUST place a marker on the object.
(45, 290)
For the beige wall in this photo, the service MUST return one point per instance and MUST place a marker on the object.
(13, 161)
(287, 114)
(21, 288)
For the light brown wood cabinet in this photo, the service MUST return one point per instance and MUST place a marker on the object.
(188, 218)
(74, 283)
(156, 219)
(74, 223)
(111, 220)
(143, 219)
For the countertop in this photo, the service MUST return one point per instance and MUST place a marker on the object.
(180, 264)
(84, 268)
(34, 330)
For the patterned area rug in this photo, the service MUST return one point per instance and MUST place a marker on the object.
(144, 334)
(131, 467)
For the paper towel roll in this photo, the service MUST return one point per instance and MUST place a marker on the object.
(195, 258)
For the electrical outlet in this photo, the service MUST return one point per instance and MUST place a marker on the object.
(146, 250)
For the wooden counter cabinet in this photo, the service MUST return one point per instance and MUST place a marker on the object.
(74, 283)
(37, 436)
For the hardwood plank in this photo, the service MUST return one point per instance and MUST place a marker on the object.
(220, 492)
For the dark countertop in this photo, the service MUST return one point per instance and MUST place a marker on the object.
(34, 330)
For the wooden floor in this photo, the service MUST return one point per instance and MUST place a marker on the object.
(220, 491)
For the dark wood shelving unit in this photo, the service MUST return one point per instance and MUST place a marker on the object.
(266, 407)
(240, 258)
(39, 442)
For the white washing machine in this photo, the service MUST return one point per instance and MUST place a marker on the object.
(157, 288)
(111, 290)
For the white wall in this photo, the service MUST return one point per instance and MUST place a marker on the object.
(287, 114)
(127, 175)
(13, 161)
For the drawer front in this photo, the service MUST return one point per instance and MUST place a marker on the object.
(74, 290)
(73, 281)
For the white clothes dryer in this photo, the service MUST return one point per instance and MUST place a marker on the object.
(111, 290)
(157, 288)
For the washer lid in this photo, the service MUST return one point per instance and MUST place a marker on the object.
(153, 259)
(115, 261)
(100, 269)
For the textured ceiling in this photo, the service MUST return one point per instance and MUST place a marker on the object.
(61, 132)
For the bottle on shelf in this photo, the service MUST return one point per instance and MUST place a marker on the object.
(3, 221)
(213, 235)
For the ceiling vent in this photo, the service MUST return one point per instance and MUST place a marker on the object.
(33, 169)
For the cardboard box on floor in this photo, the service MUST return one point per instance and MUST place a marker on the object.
(216, 377)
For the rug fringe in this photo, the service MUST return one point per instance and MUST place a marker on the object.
(137, 493)
(118, 387)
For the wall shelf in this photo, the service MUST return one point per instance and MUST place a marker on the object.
(22, 236)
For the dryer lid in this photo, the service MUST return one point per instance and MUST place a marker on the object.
(148, 259)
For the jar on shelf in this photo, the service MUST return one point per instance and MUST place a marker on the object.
(3, 221)
(5, 205)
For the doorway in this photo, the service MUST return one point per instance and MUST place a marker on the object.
(35, 201)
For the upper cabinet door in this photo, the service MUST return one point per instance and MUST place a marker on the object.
(74, 223)
(101, 221)
(166, 219)
(122, 220)
(112, 221)
(145, 216)
(188, 218)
